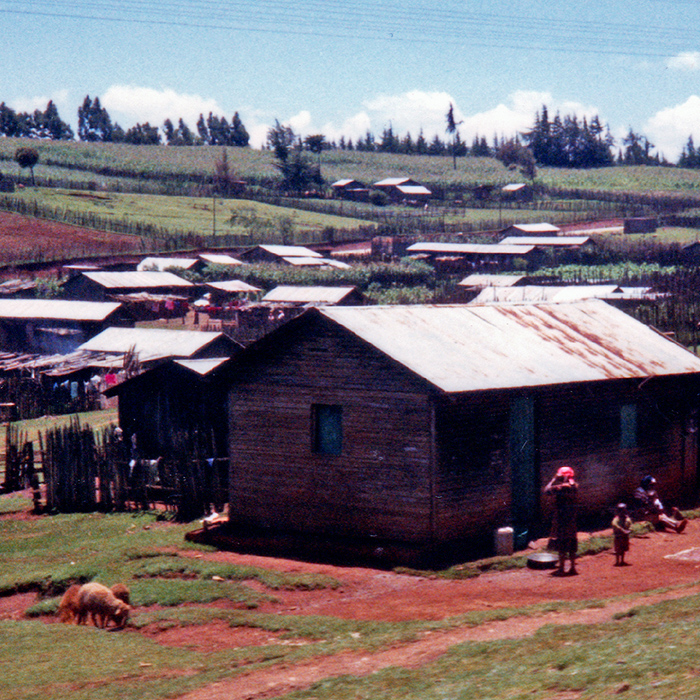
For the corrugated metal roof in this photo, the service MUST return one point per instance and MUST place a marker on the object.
(470, 248)
(472, 348)
(291, 251)
(537, 293)
(58, 309)
(233, 286)
(491, 280)
(392, 181)
(315, 262)
(535, 228)
(137, 280)
(308, 295)
(162, 264)
(220, 259)
(150, 343)
(559, 241)
(413, 189)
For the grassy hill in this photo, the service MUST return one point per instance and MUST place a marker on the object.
(111, 165)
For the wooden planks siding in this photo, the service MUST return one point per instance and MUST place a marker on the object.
(379, 484)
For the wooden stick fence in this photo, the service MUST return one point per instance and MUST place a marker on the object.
(85, 471)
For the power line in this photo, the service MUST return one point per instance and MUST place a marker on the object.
(361, 20)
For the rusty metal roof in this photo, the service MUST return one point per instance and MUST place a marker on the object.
(460, 348)
(56, 309)
(150, 343)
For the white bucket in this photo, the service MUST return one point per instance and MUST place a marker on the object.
(504, 541)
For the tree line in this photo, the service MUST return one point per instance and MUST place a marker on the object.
(562, 141)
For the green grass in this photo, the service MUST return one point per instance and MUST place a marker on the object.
(107, 164)
(653, 649)
(194, 215)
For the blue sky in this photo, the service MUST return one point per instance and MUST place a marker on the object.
(343, 68)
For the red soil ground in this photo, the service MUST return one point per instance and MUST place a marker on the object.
(657, 561)
(26, 238)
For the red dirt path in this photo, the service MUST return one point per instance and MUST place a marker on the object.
(657, 561)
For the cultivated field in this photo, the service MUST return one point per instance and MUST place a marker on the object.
(27, 239)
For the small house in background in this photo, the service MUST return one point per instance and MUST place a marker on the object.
(349, 189)
(174, 399)
(409, 431)
(314, 296)
(561, 242)
(154, 345)
(541, 229)
(276, 253)
(619, 296)
(517, 192)
(461, 257)
(100, 286)
(226, 291)
(475, 283)
(641, 224)
(48, 326)
(163, 264)
(403, 190)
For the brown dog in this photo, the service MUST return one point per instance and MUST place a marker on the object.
(68, 607)
(99, 603)
(122, 592)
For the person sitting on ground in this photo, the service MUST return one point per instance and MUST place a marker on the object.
(653, 509)
(621, 526)
(565, 491)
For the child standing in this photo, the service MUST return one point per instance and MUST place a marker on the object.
(621, 525)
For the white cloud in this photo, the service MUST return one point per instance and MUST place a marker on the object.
(518, 114)
(129, 104)
(669, 129)
(688, 60)
(60, 99)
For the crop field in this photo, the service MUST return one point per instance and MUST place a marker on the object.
(158, 221)
(105, 164)
(26, 239)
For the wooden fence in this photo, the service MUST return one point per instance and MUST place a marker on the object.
(77, 469)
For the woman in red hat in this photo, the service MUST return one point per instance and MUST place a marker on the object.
(565, 491)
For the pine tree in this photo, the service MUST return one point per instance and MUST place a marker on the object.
(239, 134)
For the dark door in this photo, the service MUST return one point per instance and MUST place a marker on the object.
(524, 469)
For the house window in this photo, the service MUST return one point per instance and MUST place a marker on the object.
(327, 428)
(628, 425)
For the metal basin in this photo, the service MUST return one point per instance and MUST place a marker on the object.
(542, 560)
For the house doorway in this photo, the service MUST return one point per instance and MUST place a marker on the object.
(525, 482)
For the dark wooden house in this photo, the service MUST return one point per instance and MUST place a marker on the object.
(175, 399)
(432, 426)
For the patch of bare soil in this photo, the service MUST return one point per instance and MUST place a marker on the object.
(657, 561)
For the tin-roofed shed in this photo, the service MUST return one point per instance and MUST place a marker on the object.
(157, 344)
(432, 426)
(314, 295)
(100, 286)
(55, 325)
